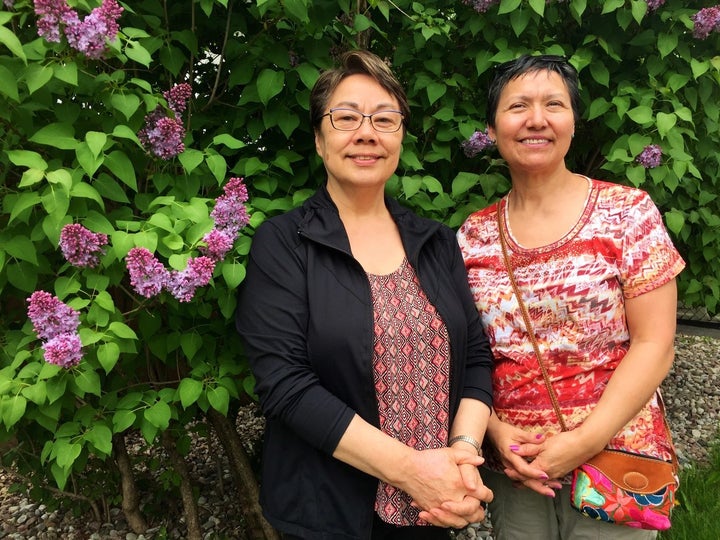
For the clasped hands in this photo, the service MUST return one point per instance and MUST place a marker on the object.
(445, 485)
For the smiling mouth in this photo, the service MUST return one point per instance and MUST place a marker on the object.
(535, 141)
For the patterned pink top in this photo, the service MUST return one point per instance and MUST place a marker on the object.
(412, 376)
(575, 290)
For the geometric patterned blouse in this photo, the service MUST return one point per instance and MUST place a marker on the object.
(411, 369)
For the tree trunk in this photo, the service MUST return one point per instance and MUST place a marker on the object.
(257, 527)
(188, 499)
(130, 498)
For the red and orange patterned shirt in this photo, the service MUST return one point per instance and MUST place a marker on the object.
(575, 291)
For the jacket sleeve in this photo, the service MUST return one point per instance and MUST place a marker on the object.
(272, 319)
(479, 361)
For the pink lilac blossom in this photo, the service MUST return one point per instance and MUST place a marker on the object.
(197, 273)
(654, 4)
(50, 317)
(9, 3)
(148, 276)
(89, 36)
(80, 246)
(650, 157)
(162, 135)
(64, 350)
(218, 243)
(230, 214)
(481, 6)
(706, 21)
(51, 13)
(478, 142)
(177, 97)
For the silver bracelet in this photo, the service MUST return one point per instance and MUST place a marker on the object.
(467, 439)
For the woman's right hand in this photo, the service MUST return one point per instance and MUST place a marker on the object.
(517, 449)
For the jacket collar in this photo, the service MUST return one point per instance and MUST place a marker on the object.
(321, 223)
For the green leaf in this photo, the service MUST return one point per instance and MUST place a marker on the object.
(89, 382)
(233, 273)
(158, 414)
(229, 141)
(22, 203)
(9, 85)
(269, 84)
(508, 6)
(138, 53)
(190, 159)
(127, 104)
(675, 221)
(122, 330)
(298, 9)
(66, 452)
(190, 343)
(108, 355)
(122, 420)
(219, 399)
(217, 165)
(100, 437)
(189, 391)
(13, 409)
(58, 135)
(665, 122)
(96, 141)
(120, 165)
(435, 91)
(37, 76)
(10, 40)
(22, 248)
(66, 71)
(308, 74)
(641, 114)
(27, 158)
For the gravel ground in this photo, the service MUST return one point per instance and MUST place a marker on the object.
(692, 398)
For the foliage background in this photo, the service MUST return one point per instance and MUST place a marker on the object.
(69, 152)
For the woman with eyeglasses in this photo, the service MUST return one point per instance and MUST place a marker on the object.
(371, 365)
(596, 270)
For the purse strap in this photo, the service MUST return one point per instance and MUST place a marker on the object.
(526, 317)
(531, 334)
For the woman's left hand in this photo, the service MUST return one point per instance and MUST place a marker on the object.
(471, 509)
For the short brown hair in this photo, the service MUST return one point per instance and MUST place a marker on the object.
(356, 62)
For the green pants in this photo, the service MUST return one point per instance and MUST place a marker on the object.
(523, 514)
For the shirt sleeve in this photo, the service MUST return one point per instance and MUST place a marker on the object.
(272, 319)
(649, 257)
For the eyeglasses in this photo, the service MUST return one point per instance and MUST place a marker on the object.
(350, 120)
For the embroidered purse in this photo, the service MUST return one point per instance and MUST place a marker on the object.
(614, 486)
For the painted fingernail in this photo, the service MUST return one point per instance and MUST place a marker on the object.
(514, 447)
(545, 477)
(538, 436)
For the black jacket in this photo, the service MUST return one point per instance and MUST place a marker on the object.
(306, 318)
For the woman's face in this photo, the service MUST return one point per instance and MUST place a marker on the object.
(364, 157)
(534, 122)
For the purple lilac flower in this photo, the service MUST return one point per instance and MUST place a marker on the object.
(9, 3)
(706, 21)
(230, 214)
(654, 4)
(650, 157)
(218, 243)
(89, 36)
(162, 135)
(478, 142)
(177, 97)
(481, 6)
(197, 273)
(51, 13)
(64, 350)
(80, 246)
(148, 276)
(51, 317)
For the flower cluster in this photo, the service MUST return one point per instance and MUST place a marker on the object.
(650, 157)
(705, 21)
(478, 142)
(80, 246)
(654, 4)
(149, 277)
(89, 35)
(56, 324)
(9, 3)
(163, 135)
(481, 6)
